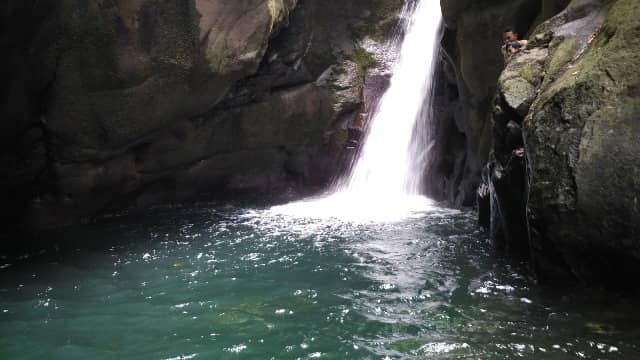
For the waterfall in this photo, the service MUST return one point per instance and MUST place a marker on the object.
(385, 182)
(389, 162)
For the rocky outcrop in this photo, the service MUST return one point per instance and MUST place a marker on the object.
(137, 102)
(471, 43)
(572, 184)
(560, 135)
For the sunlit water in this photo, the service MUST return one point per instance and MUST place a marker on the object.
(232, 283)
(373, 271)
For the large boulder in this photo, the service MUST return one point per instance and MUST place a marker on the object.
(126, 69)
(583, 145)
(574, 93)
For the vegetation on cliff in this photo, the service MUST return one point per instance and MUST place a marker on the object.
(573, 95)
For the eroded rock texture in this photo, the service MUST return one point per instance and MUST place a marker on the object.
(473, 62)
(108, 104)
(567, 197)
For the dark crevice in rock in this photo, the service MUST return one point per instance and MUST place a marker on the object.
(154, 102)
(565, 98)
(472, 59)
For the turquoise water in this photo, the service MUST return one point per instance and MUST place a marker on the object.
(232, 283)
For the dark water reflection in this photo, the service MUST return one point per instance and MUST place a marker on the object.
(231, 283)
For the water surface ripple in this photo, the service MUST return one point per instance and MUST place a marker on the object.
(232, 283)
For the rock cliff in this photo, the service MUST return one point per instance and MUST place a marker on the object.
(471, 65)
(111, 104)
(563, 177)
(115, 104)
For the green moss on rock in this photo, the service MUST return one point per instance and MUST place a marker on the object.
(364, 59)
(582, 144)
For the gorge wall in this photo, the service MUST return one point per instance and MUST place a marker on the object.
(560, 128)
(113, 104)
(109, 105)
(471, 64)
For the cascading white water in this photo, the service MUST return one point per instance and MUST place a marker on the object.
(384, 184)
(386, 165)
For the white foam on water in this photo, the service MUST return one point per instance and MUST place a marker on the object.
(385, 182)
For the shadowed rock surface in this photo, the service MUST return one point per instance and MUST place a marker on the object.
(471, 44)
(575, 199)
(108, 105)
(127, 104)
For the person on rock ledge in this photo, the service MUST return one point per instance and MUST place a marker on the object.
(512, 45)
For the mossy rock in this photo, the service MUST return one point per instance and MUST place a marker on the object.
(364, 59)
(583, 146)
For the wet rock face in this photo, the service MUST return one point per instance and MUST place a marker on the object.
(472, 40)
(136, 66)
(121, 85)
(505, 175)
(109, 104)
(573, 95)
(583, 139)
